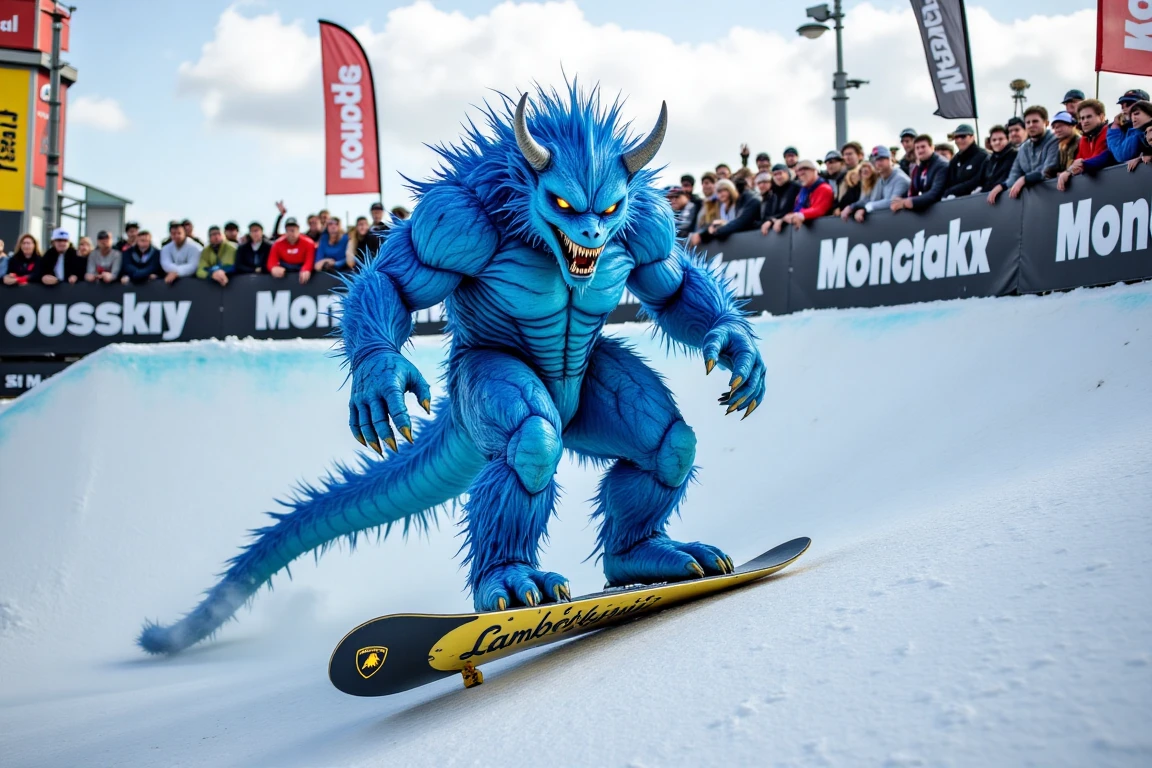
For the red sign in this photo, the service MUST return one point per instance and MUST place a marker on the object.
(18, 24)
(1124, 36)
(40, 130)
(352, 160)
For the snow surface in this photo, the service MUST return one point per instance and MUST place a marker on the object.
(975, 476)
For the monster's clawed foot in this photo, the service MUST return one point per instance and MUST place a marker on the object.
(659, 559)
(515, 584)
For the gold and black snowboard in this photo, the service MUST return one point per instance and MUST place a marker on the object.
(395, 653)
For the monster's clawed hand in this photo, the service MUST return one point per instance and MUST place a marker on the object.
(379, 383)
(733, 345)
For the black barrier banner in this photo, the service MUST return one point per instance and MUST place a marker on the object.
(81, 318)
(266, 308)
(955, 249)
(16, 378)
(756, 268)
(1094, 233)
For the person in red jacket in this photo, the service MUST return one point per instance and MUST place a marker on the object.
(815, 198)
(293, 252)
(1093, 153)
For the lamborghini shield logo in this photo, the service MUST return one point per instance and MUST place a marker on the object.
(370, 659)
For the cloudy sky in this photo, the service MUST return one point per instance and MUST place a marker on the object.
(213, 110)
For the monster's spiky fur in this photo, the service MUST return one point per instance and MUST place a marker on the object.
(586, 139)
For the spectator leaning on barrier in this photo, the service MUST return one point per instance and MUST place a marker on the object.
(682, 208)
(928, 178)
(141, 262)
(1093, 153)
(781, 198)
(1032, 157)
(332, 250)
(834, 170)
(1139, 116)
(908, 159)
(180, 256)
(24, 263)
(357, 236)
(1123, 139)
(964, 169)
(252, 255)
(293, 252)
(1064, 128)
(739, 212)
(791, 158)
(1017, 133)
(814, 200)
(1000, 160)
(709, 208)
(218, 259)
(104, 261)
(1072, 101)
(232, 232)
(129, 238)
(314, 228)
(891, 183)
(61, 263)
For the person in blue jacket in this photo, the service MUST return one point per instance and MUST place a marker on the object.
(141, 261)
(1126, 134)
(332, 247)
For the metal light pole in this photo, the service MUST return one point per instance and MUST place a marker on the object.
(52, 176)
(840, 81)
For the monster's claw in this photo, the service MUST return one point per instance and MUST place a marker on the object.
(562, 593)
(722, 565)
(407, 432)
(735, 383)
(374, 446)
(731, 565)
(426, 404)
(709, 365)
(501, 604)
(391, 441)
(724, 398)
(695, 568)
(751, 407)
(530, 599)
(360, 439)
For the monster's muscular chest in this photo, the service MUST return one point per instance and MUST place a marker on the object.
(520, 303)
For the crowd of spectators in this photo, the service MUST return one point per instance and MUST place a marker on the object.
(325, 246)
(1026, 150)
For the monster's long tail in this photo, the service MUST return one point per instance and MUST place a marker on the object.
(404, 489)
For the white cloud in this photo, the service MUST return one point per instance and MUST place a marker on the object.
(95, 112)
(262, 73)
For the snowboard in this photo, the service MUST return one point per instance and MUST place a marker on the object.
(402, 651)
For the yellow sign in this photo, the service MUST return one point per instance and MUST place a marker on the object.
(14, 133)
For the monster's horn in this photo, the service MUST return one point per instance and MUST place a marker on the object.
(537, 156)
(643, 154)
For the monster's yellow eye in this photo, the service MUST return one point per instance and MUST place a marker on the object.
(611, 209)
(564, 204)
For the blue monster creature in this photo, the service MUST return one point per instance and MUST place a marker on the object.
(529, 234)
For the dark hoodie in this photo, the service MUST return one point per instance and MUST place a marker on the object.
(138, 266)
(780, 201)
(996, 169)
(23, 268)
(74, 265)
(964, 171)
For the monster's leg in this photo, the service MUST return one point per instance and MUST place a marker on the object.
(627, 414)
(510, 416)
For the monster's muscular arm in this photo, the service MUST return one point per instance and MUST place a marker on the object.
(692, 306)
(448, 237)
